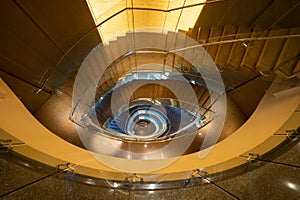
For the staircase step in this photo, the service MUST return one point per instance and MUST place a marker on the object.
(143, 59)
(118, 99)
(203, 97)
(203, 35)
(271, 51)
(130, 40)
(189, 54)
(253, 49)
(130, 89)
(132, 63)
(238, 49)
(143, 40)
(207, 102)
(170, 60)
(94, 66)
(100, 59)
(122, 44)
(202, 38)
(189, 32)
(225, 49)
(214, 36)
(177, 62)
(198, 91)
(119, 69)
(297, 69)
(114, 47)
(287, 61)
(116, 52)
(123, 49)
(103, 86)
(175, 40)
(109, 49)
(106, 77)
(90, 72)
(160, 92)
(123, 66)
(193, 33)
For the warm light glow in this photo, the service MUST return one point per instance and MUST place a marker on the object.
(115, 185)
(99, 7)
(143, 19)
(90, 181)
(151, 186)
(119, 142)
(291, 185)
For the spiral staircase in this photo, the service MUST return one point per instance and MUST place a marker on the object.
(145, 112)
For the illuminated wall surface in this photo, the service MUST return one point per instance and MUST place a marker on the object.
(156, 15)
(162, 99)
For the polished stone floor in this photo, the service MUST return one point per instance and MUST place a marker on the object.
(267, 181)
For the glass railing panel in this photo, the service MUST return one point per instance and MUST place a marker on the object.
(268, 180)
(29, 182)
(291, 157)
(17, 173)
(289, 151)
(206, 191)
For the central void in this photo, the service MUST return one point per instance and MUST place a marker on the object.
(149, 121)
(146, 122)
